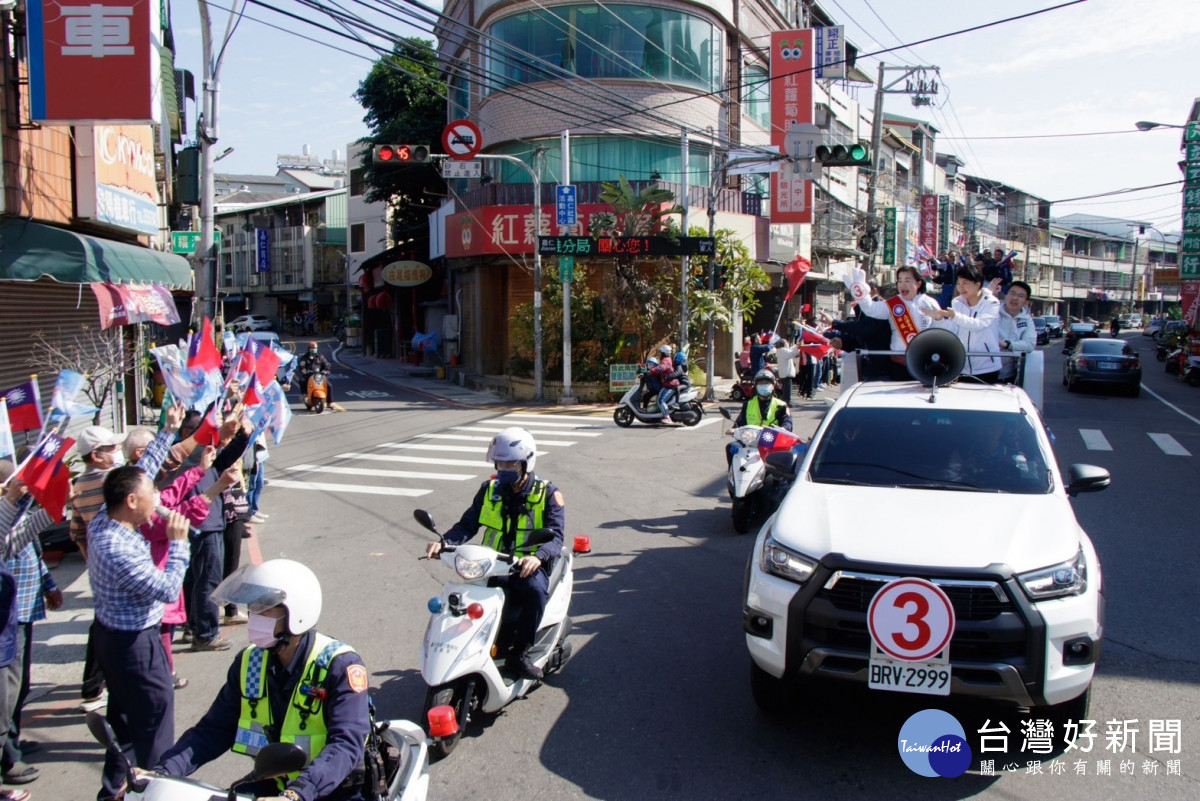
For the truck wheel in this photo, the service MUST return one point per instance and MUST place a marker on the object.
(773, 697)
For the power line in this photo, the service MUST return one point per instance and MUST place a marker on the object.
(1119, 192)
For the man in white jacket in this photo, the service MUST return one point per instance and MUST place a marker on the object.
(974, 315)
(1017, 334)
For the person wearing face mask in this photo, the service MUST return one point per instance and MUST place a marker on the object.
(292, 684)
(129, 592)
(312, 362)
(764, 409)
(909, 311)
(508, 507)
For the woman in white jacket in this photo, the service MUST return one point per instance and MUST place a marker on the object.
(974, 315)
(922, 310)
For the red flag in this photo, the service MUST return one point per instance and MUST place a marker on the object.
(813, 342)
(24, 406)
(773, 440)
(209, 431)
(252, 397)
(202, 351)
(48, 479)
(795, 270)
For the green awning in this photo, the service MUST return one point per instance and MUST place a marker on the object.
(30, 250)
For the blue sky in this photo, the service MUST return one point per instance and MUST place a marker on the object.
(1096, 66)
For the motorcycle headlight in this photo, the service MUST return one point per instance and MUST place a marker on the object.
(1056, 581)
(786, 563)
(747, 436)
(471, 569)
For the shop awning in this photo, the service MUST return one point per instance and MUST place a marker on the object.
(30, 250)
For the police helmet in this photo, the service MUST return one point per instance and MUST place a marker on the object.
(276, 582)
(764, 375)
(513, 445)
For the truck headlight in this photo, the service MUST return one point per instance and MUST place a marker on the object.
(786, 563)
(1056, 581)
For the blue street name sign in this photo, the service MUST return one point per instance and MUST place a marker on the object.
(565, 205)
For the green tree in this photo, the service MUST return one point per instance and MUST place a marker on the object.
(405, 104)
(743, 278)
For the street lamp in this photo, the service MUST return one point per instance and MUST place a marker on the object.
(1146, 125)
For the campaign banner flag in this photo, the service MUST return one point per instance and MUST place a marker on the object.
(278, 412)
(123, 304)
(24, 406)
(62, 401)
(8, 449)
(48, 479)
(202, 351)
(230, 342)
(795, 270)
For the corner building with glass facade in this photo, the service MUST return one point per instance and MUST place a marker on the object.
(626, 80)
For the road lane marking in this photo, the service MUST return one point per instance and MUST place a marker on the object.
(469, 438)
(542, 421)
(1169, 445)
(367, 471)
(370, 490)
(1170, 405)
(449, 448)
(380, 457)
(706, 422)
(486, 429)
(1094, 439)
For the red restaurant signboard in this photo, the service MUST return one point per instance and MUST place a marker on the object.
(791, 105)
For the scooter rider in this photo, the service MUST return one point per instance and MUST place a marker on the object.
(314, 689)
(763, 408)
(653, 383)
(508, 507)
(312, 362)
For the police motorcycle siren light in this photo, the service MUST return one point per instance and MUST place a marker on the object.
(935, 357)
(272, 761)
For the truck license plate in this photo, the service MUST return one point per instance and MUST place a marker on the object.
(923, 678)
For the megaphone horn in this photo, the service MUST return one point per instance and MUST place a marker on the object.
(935, 356)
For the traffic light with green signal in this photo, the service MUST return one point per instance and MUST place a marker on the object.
(856, 155)
(400, 154)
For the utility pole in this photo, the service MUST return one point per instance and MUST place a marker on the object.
(568, 397)
(206, 133)
(920, 90)
(714, 185)
(685, 262)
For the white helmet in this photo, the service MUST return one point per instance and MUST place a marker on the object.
(513, 445)
(665, 350)
(276, 582)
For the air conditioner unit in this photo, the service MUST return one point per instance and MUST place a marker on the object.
(253, 280)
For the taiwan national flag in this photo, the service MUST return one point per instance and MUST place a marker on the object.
(813, 342)
(266, 360)
(774, 440)
(48, 479)
(202, 351)
(24, 406)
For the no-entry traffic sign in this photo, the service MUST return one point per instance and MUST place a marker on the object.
(461, 139)
(911, 619)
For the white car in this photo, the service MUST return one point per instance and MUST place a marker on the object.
(250, 322)
(955, 492)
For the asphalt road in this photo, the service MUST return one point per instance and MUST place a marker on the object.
(656, 702)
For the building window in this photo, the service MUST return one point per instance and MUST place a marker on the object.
(605, 41)
(756, 96)
(356, 181)
(460, 97)
(358, 237)
(606, 158)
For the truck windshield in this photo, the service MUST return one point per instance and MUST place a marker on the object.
(947, 449)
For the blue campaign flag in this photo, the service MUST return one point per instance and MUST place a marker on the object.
(62, 401)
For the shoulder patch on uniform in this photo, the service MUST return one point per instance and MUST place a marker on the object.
(357, 676)
(558, 497)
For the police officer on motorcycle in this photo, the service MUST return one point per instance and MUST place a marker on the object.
(763, 408)
(313, 362)
(293, 685)
(509, 507)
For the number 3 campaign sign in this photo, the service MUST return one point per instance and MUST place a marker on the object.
(911, 621)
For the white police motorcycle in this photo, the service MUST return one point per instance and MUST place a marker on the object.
(752, 485)
(460, 659)
(409, 782)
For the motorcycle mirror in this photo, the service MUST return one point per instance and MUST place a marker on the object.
(783, 463)
(540, 536)
(726, 413)
(277, 759)
(425, 519)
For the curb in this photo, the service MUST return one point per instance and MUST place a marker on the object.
(407, 388)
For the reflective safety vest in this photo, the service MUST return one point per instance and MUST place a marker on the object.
(304, 723)
(754, 415)
(491, 519)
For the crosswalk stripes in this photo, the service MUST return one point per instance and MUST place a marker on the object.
(1094, 440)
(415, 468)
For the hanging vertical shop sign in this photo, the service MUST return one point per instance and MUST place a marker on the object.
(93, 60)
(943, 224)
(791, 106)
(889, 235)
(928, 225)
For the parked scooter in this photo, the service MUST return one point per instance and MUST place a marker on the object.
(1175, 361)
(687, 410)
(753, 486)
(410, 781)
(1191, 371)
(461, 661)
(1161, 352)
(317, 397)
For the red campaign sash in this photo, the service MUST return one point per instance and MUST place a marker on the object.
(902, 318)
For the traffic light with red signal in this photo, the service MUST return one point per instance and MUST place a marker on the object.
(400, 154)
